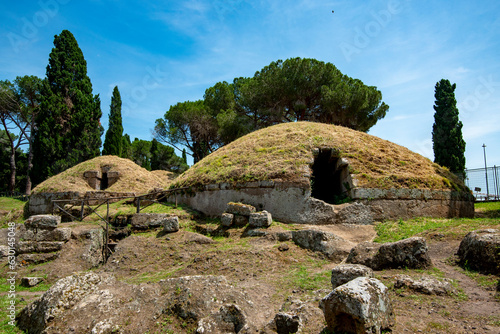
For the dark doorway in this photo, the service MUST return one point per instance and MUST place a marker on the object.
(104, 181)
(326, 181)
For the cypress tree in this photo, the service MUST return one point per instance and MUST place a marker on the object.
(155, 155)
(184, 156)
(68, 129)
(448, 143)
(113, 140)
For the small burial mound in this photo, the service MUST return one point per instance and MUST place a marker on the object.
(102, 177)
(304, 171)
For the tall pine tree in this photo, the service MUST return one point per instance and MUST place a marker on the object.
(113, 140)
(68, 128)
(448, 143)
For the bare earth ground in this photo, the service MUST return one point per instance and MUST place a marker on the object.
(276, 274)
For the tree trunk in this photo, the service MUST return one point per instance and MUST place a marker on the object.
(12, 181)
(28, 172)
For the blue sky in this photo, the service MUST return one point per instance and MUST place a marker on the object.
(164, 52)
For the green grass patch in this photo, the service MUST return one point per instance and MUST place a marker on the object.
(391, 231)
(303, 278)
(13, 208)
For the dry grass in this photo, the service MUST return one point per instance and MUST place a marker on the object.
(133, 178)
(284, 153)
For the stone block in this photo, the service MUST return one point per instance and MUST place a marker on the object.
(240, 209)
(145, 221)
(359, 306)
(287, 323)
(24, 247)
(46, 222)
(480, 250)
(170, 224)
(59, 234)
(226, 219)
(36, 258)
(344, 273)
(260, 219)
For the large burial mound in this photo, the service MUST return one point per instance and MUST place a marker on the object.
(301, 172)
(103, 177)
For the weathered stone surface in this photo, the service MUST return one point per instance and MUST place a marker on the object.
(240, 209)
(229, 319)
(329, 244)
(355, 213)
(170, 224)
(198, 238)
(47, 222)
(36, 258)
(240, 221)
(260, 219)
(408, 253)
(226, 219)
(24, 247)
(4, 251)
(61, 296)
(119, 233)
(145, 221)
(287, 323)
(426, 285)
(57, 234)
(30, 281)
(93, 250)
(359, 306)
(480, 250)
(344, 273)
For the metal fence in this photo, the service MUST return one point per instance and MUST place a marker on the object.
(484, 183)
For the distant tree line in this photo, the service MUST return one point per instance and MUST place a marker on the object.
(57, 119)
(297, 89)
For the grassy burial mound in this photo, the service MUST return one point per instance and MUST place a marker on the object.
(293, 152)
(106, 173)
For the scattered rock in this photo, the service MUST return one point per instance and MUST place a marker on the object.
(240, 209)
(198, 238)
(146, 221)
(23, 247)
(426, 285)
(283, 247)
(344, 273)
(229, 319)
(226, 219)
(287, 323)
(408, 253)
(329, 244)
(29, 282)
(480, 250)
(260, 219)
(359, 306)
(170, 224)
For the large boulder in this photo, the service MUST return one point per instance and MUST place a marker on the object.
(359, 306)
(480, 250)
(46, 222)
(145, 221)
(409, 253)
(260, 219)
(240, 209)
(63, 295)
(229, 319)
(344, 273)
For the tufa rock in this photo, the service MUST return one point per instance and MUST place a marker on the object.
(480, 250)
(287, 323)
(355, 213)
(61, 296)
(45, 222)
(145, 221)
(260, 219)
(226, 219)
(329, 244)
(408, 253)
(170, 224)
(229, 319)
(359, 306)
(240, 209)
(344, 273)
(426, 285)
(29, 282)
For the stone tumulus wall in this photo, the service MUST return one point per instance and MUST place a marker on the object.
(290, 203)
(42, 203)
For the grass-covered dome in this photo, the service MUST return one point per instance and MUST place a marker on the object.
(132, 177)
(285, 152)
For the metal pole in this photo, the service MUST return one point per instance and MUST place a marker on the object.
(496, 182)
(486, 173)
